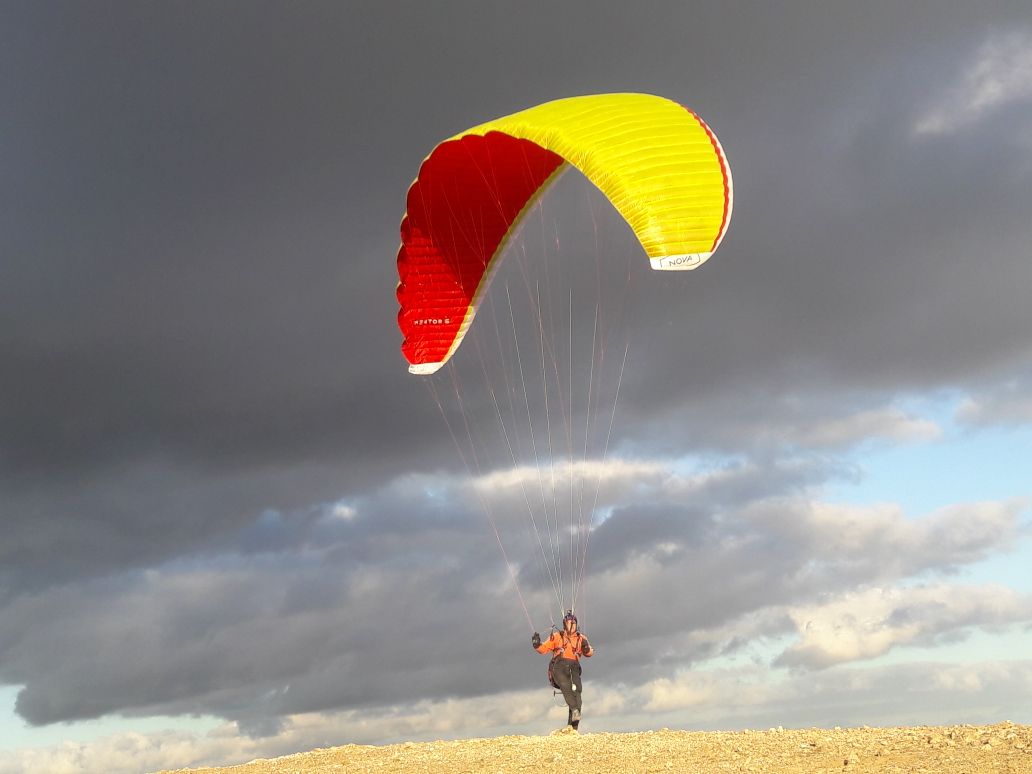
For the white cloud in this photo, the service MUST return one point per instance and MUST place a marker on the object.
(667, 694)
(586, 476)
(1000, 74)
(868, 623)
(1011, 404)
(343, 511)
(811, 429)
(888, 424)
(124, 753)
(882, 534)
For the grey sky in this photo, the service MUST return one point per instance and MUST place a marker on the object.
(214, 468)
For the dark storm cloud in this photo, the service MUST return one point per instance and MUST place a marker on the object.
(201, 217)
(198, 353)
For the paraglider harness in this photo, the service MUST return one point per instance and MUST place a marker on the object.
(551, 671)
(558, 653)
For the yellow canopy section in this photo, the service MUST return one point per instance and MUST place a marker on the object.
(655, 160)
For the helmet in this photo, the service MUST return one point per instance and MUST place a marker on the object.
(569, 617)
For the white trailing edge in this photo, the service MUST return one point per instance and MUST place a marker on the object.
(685, 262)
(424, 369)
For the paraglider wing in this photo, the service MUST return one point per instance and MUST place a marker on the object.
(656, 161)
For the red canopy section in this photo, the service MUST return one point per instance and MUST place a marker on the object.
(468, 196)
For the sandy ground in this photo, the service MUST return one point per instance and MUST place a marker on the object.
(1005, 747)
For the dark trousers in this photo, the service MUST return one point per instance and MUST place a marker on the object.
(567, 675)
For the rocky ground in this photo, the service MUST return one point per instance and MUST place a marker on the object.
(1003, 748)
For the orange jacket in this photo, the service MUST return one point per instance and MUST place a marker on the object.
(571, 647)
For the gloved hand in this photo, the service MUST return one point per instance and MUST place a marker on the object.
(585, 647)
(535, 641)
